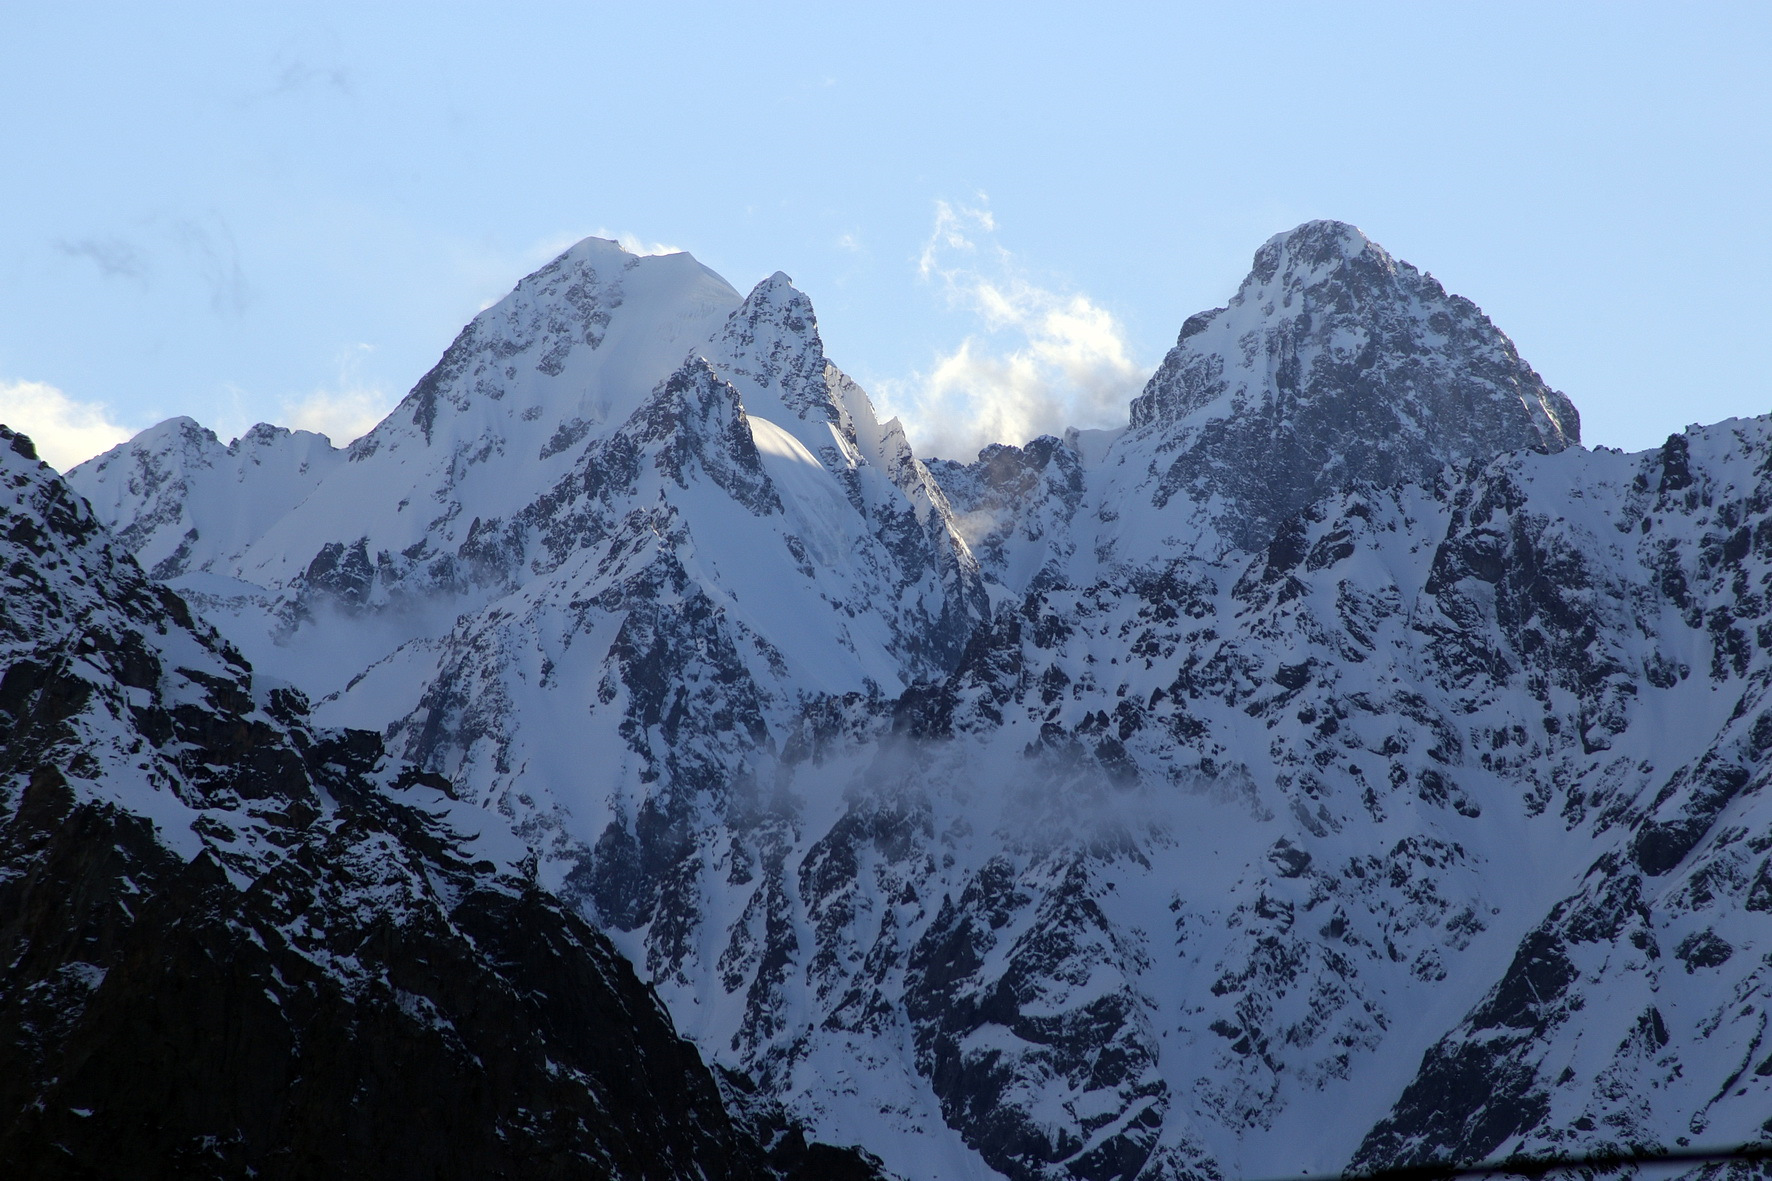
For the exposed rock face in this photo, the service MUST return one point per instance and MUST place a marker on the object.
(1333, 365)
(1015, 505)
(1338, 764)
(1626, 1017)
(1504, 731)
(234, 944)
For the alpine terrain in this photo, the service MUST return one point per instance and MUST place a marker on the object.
(236, 945)
(1336, 766)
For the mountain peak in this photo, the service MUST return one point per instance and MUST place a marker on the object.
(1314, 245)
(771, 350)
(777, 290)
(1308, 256)
(592, 248)
(585, 337)
(1335, 363)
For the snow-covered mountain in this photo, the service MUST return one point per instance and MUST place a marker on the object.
(1336, 764)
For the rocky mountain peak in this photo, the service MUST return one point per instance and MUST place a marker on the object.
(1014, 506)
(695, 422)
(1313, 249)
(159, 484)
(779, 281)
(585, 338)
(1334, 364)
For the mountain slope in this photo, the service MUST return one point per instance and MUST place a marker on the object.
(236, 944)
(1633, 1014)
(1496, 741)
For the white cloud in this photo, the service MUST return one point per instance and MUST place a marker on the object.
(952, 223)
(1044, 360)
(66, 431)
(340, 415)
(343, 413)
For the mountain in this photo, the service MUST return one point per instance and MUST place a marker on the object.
(1334, 364)
(190, 501)
(1337, 764)
(235, 944)
(1492, 740)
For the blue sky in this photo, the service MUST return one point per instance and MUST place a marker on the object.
(1002, 213)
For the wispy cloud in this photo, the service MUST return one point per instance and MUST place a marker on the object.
(205, 241)
(299, 75)
(952, 225)
(345, 411)
(65, 430)
(292, 77)
(632, 243)
(115, 258)
(217, 257)
(1042, 360)
(340, 415)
